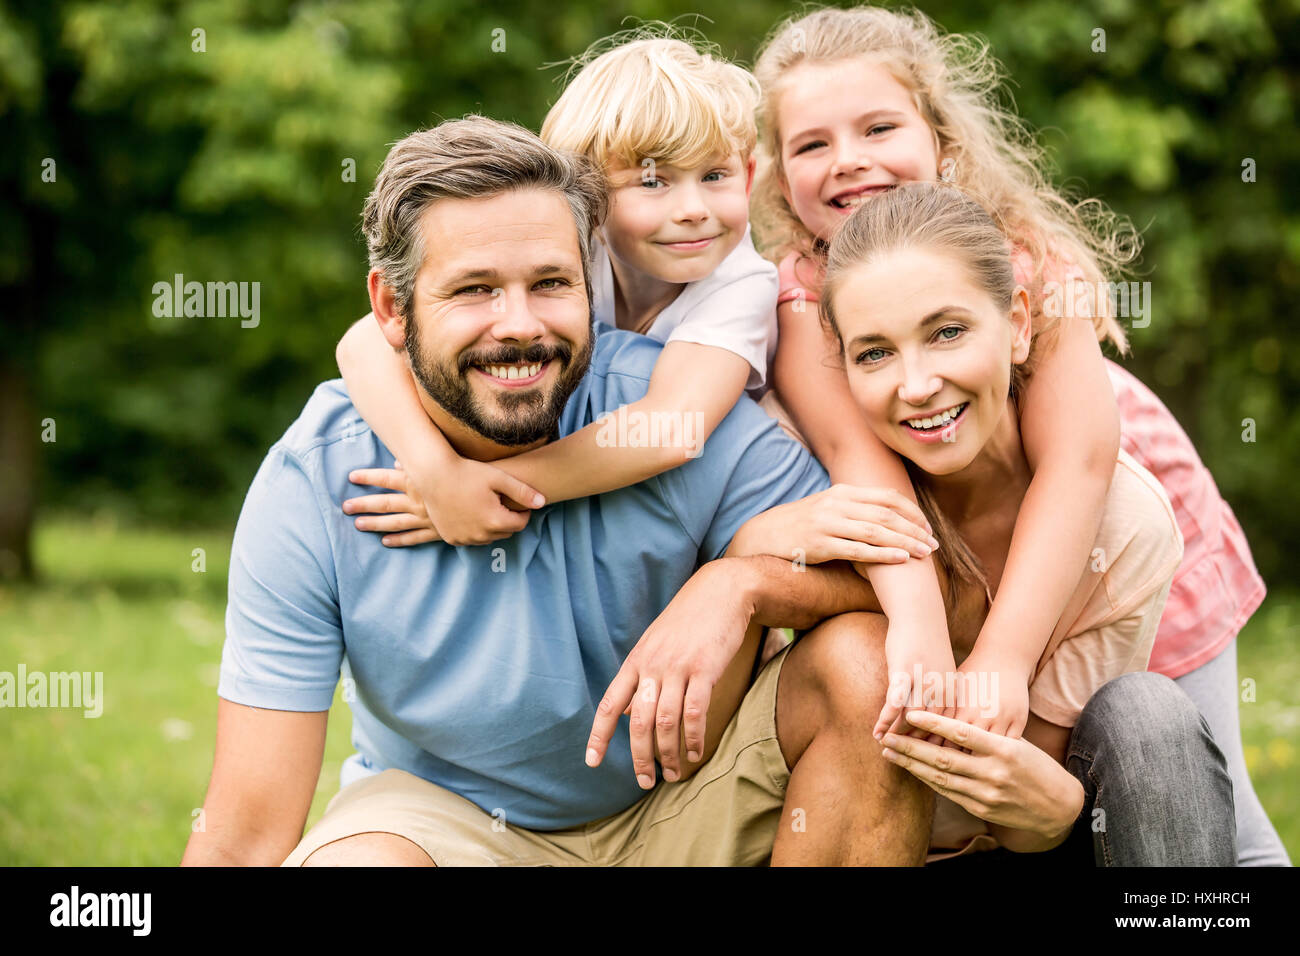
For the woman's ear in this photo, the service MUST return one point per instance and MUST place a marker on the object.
(1022, 326)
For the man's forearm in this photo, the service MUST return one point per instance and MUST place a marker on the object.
(784, 594)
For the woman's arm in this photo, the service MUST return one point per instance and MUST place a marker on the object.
(1070, 428)
(692, 388)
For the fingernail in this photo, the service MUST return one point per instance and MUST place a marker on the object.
(592, 756)
(887, 754)
(879, 735)
(645, 781)
(538, 501)
(693, 756)
(670, 774)
(935, 543)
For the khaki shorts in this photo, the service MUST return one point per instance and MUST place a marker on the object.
(726, 814)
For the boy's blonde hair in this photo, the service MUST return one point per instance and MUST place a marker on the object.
(955, 83)
(648, 93)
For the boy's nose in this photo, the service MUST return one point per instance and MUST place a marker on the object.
(690, 206)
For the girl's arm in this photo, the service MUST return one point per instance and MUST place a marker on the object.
(456, 500)
(692, 388)
(1070, 428)
(815, 390)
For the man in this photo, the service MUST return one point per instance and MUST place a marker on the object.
(478, 670)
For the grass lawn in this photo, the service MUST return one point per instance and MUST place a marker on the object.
(122, 789)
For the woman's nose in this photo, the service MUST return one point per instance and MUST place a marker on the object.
(918, 386)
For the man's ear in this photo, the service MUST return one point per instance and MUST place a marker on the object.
(1022, 326)
(749, 174)
(384, 305)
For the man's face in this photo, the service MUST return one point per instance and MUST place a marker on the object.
(500, 330)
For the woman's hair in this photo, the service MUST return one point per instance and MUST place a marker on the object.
(941, 218)
(956, 86)
(648, 93)
(470, 158)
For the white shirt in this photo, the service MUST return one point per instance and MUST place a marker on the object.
(733, 308)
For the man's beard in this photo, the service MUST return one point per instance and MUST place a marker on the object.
(529, 414)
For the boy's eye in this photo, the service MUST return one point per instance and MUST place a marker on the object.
(650, 182)
(716, 176)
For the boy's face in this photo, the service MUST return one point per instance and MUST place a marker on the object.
(677, 224)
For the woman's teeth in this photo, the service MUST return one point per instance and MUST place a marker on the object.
(512, 371)
(936, 421)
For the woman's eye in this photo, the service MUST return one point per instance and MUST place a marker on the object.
(943, 334)
(871, 356)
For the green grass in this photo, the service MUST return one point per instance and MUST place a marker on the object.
(121, 789)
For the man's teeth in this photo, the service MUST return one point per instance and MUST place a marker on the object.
(943, 418)
(512, 371)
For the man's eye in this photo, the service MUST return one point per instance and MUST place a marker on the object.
(558, 284)
(473, 290)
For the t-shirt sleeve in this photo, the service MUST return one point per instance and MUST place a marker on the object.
(748, 466)
(284, 635)
(740, 317)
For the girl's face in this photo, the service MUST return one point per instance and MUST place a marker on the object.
(848, 130)
(929, 355)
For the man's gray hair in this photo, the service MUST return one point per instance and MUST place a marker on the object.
(470, 158)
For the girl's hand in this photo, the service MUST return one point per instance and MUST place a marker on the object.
(1005, 781)
(919, 668)
(993, 695)
(843, 523)
(468, 504)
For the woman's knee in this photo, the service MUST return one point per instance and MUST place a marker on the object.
(1141, 708)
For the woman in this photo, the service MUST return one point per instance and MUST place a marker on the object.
(938, 342)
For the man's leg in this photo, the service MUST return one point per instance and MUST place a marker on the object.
(845, 804)
(370, 849)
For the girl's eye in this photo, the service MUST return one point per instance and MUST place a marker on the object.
(871, 356)
(943, 336)
(809, 145)
(880, 127)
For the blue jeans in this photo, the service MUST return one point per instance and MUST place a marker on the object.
(1156, 786)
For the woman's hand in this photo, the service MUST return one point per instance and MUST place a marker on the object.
(842, 523)
(1005, 781)
(469, 503)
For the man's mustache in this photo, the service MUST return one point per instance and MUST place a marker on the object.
(533, 355)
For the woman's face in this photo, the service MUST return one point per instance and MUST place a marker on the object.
(929, 355)
(849, 130)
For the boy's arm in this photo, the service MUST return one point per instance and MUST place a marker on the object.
(815, 390)
(1070, 428)
(691, 390)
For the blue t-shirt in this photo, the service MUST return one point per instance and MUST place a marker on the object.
(480, 668)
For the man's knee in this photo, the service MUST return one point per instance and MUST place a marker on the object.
(370, 849)
(843, 661)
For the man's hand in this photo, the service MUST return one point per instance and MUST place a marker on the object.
(669, 676)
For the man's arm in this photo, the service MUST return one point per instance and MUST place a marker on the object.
(784, 594)
(263, 777)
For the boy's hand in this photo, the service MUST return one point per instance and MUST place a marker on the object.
(995, 694)
(467, 504)
(910, 652)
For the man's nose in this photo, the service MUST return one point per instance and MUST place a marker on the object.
(514, 318)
